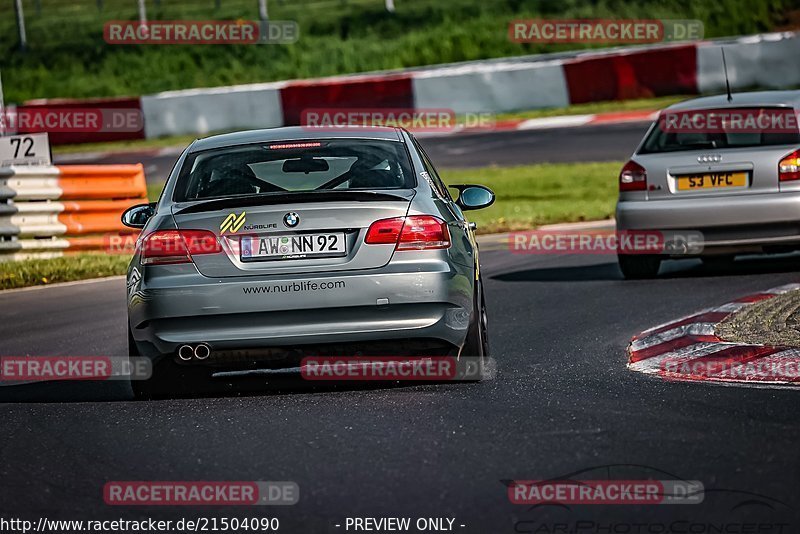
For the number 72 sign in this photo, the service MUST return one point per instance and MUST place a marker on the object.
(30, 149)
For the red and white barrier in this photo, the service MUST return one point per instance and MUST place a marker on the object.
(494, 86)
(491, 87)
(58, 109)
(769, 61)
(200, 111)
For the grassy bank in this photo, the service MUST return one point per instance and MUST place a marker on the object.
(68, 57)
(527, 196)
(532, 195)
(78, 267)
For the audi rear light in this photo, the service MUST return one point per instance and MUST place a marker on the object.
(416, 232)
(789, 167)
(178, 246)
(633, 177)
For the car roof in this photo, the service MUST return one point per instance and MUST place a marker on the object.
(295, 133)
(752, 99)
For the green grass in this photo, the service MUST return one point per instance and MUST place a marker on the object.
(533, 195)
(15, 274)
(154, 191)
(132, 145)
(67, 56)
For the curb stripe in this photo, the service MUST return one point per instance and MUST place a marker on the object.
(671, 345)
(705, 317)
(696, 350)
(689, 349)
(693, 329)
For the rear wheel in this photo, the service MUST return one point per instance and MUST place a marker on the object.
(477, 342)
(639, 266)
(133, 350)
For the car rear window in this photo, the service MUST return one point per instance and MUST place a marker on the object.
(723, 128)
(295, 167)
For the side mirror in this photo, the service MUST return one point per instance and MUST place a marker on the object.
(138, 215)
(473, 197)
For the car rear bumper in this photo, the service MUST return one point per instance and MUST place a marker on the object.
(435, 302)
(746, 222)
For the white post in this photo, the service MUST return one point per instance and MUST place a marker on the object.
(23, 39)
(3, 118)
(390, 6)
(142, 12)
(262, 10)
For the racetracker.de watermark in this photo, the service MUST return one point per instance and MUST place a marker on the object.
(416, 120)
(200, 32)
(606, 242)
(732, 120)
(15, 369)
(606, 492)
(394, 368)
(761, 369)
(605, 31)
(200, 493)
(57, 119)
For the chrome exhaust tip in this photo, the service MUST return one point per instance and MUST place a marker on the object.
(202, 351)
(185, 352)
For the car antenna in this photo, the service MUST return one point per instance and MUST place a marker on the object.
(727, 82)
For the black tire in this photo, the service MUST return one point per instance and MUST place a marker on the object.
(639, 266)
(476, 344)
(133, 350)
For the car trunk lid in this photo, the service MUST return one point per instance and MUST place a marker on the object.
(292, 233)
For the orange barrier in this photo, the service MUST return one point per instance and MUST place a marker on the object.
(68, 208)
(94, 216)
(102, 181)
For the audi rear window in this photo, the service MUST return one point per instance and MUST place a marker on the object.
(295, 167)
(722, 128)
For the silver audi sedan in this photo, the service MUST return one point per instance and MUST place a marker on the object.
(266, 245)
(726, 168)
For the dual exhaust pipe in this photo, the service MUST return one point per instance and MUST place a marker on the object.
(200, 352)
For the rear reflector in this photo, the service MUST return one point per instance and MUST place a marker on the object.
(633, 177)
(178, 246)
(789, 167)
(416, 232)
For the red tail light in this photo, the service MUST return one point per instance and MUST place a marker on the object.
(423, 232)
(789, 167)
(178, 246)
(384, 231)
(417, 232)
(633, 177)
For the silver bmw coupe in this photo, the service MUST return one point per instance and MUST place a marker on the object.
(269, 244)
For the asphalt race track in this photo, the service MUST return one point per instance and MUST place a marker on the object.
(562, 403)
(610, 142)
